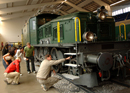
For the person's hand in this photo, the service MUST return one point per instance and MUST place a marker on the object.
(54, 72)
(26, 58)
(7, 63)
(67, 58)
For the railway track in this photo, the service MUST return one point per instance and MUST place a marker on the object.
(122, 83)
(87, 90)
(105, 87)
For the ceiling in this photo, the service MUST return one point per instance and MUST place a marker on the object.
(12, 9)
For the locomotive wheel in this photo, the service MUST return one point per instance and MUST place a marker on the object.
(55, 56)
(46, 51)
(35, 56)
(74, 70)
(41, 56)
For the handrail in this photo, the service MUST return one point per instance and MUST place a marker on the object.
(124, 30)
(76, 30)
(58, 32)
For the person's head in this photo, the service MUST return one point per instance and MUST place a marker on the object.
(6, 45)
(28, 45)
(48, 57)
(12, 51)
(18, 58)
(21, 49)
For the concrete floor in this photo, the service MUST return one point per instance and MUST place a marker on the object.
(28, 82)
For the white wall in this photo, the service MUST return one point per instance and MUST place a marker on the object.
(11, 30)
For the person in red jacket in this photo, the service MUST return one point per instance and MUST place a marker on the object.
(12, 72)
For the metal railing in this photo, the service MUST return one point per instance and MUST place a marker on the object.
(124, 30)
(58, 32)
(76, 29)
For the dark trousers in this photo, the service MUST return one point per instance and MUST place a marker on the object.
(32, 63)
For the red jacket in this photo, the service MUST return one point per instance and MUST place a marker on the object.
(14, 66)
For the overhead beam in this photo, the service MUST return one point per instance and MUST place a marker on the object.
(101, 3)
(62, 12)
(20, 8)
(76, 7)
(80, 5)
(12, 4)
(27, 2)
(41, 1)
(16, 15)
(6, 5)
(9, 1)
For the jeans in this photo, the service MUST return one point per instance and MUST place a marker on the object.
(32, 63)
(4, 63)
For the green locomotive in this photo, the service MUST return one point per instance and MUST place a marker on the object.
(89, 37)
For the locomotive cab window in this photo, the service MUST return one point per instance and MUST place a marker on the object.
(55, 33)
(40, 33)
(48, 31)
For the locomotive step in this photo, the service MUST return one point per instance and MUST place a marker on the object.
(71, 54)
(72, 65)
(69, 76)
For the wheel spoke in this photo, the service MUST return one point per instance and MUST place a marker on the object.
(73, 70)
(55, 56)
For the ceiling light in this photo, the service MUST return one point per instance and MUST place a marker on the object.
(65, 0)
(117, 2)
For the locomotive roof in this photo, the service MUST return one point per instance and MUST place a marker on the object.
(66, 17)
(70, 16)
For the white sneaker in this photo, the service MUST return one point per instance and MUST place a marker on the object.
(34, 72)
(28, 72)
(21, 74)
(44, 87)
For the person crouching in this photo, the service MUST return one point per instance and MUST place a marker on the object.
(43, 77)
(12, 73)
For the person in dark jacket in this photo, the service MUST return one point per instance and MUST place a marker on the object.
(5, 49)
(12, 72)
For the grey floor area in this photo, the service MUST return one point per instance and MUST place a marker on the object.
(28, 82)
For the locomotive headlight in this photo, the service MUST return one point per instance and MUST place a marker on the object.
(102, 15)
(88, 36)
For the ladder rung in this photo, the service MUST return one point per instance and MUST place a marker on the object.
(71, 54)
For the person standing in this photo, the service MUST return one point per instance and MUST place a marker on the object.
(29, 54)
(12, 74)
(43, 73)
(19, 54)
(5, 49)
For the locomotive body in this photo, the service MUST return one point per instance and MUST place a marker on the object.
(88, 37)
